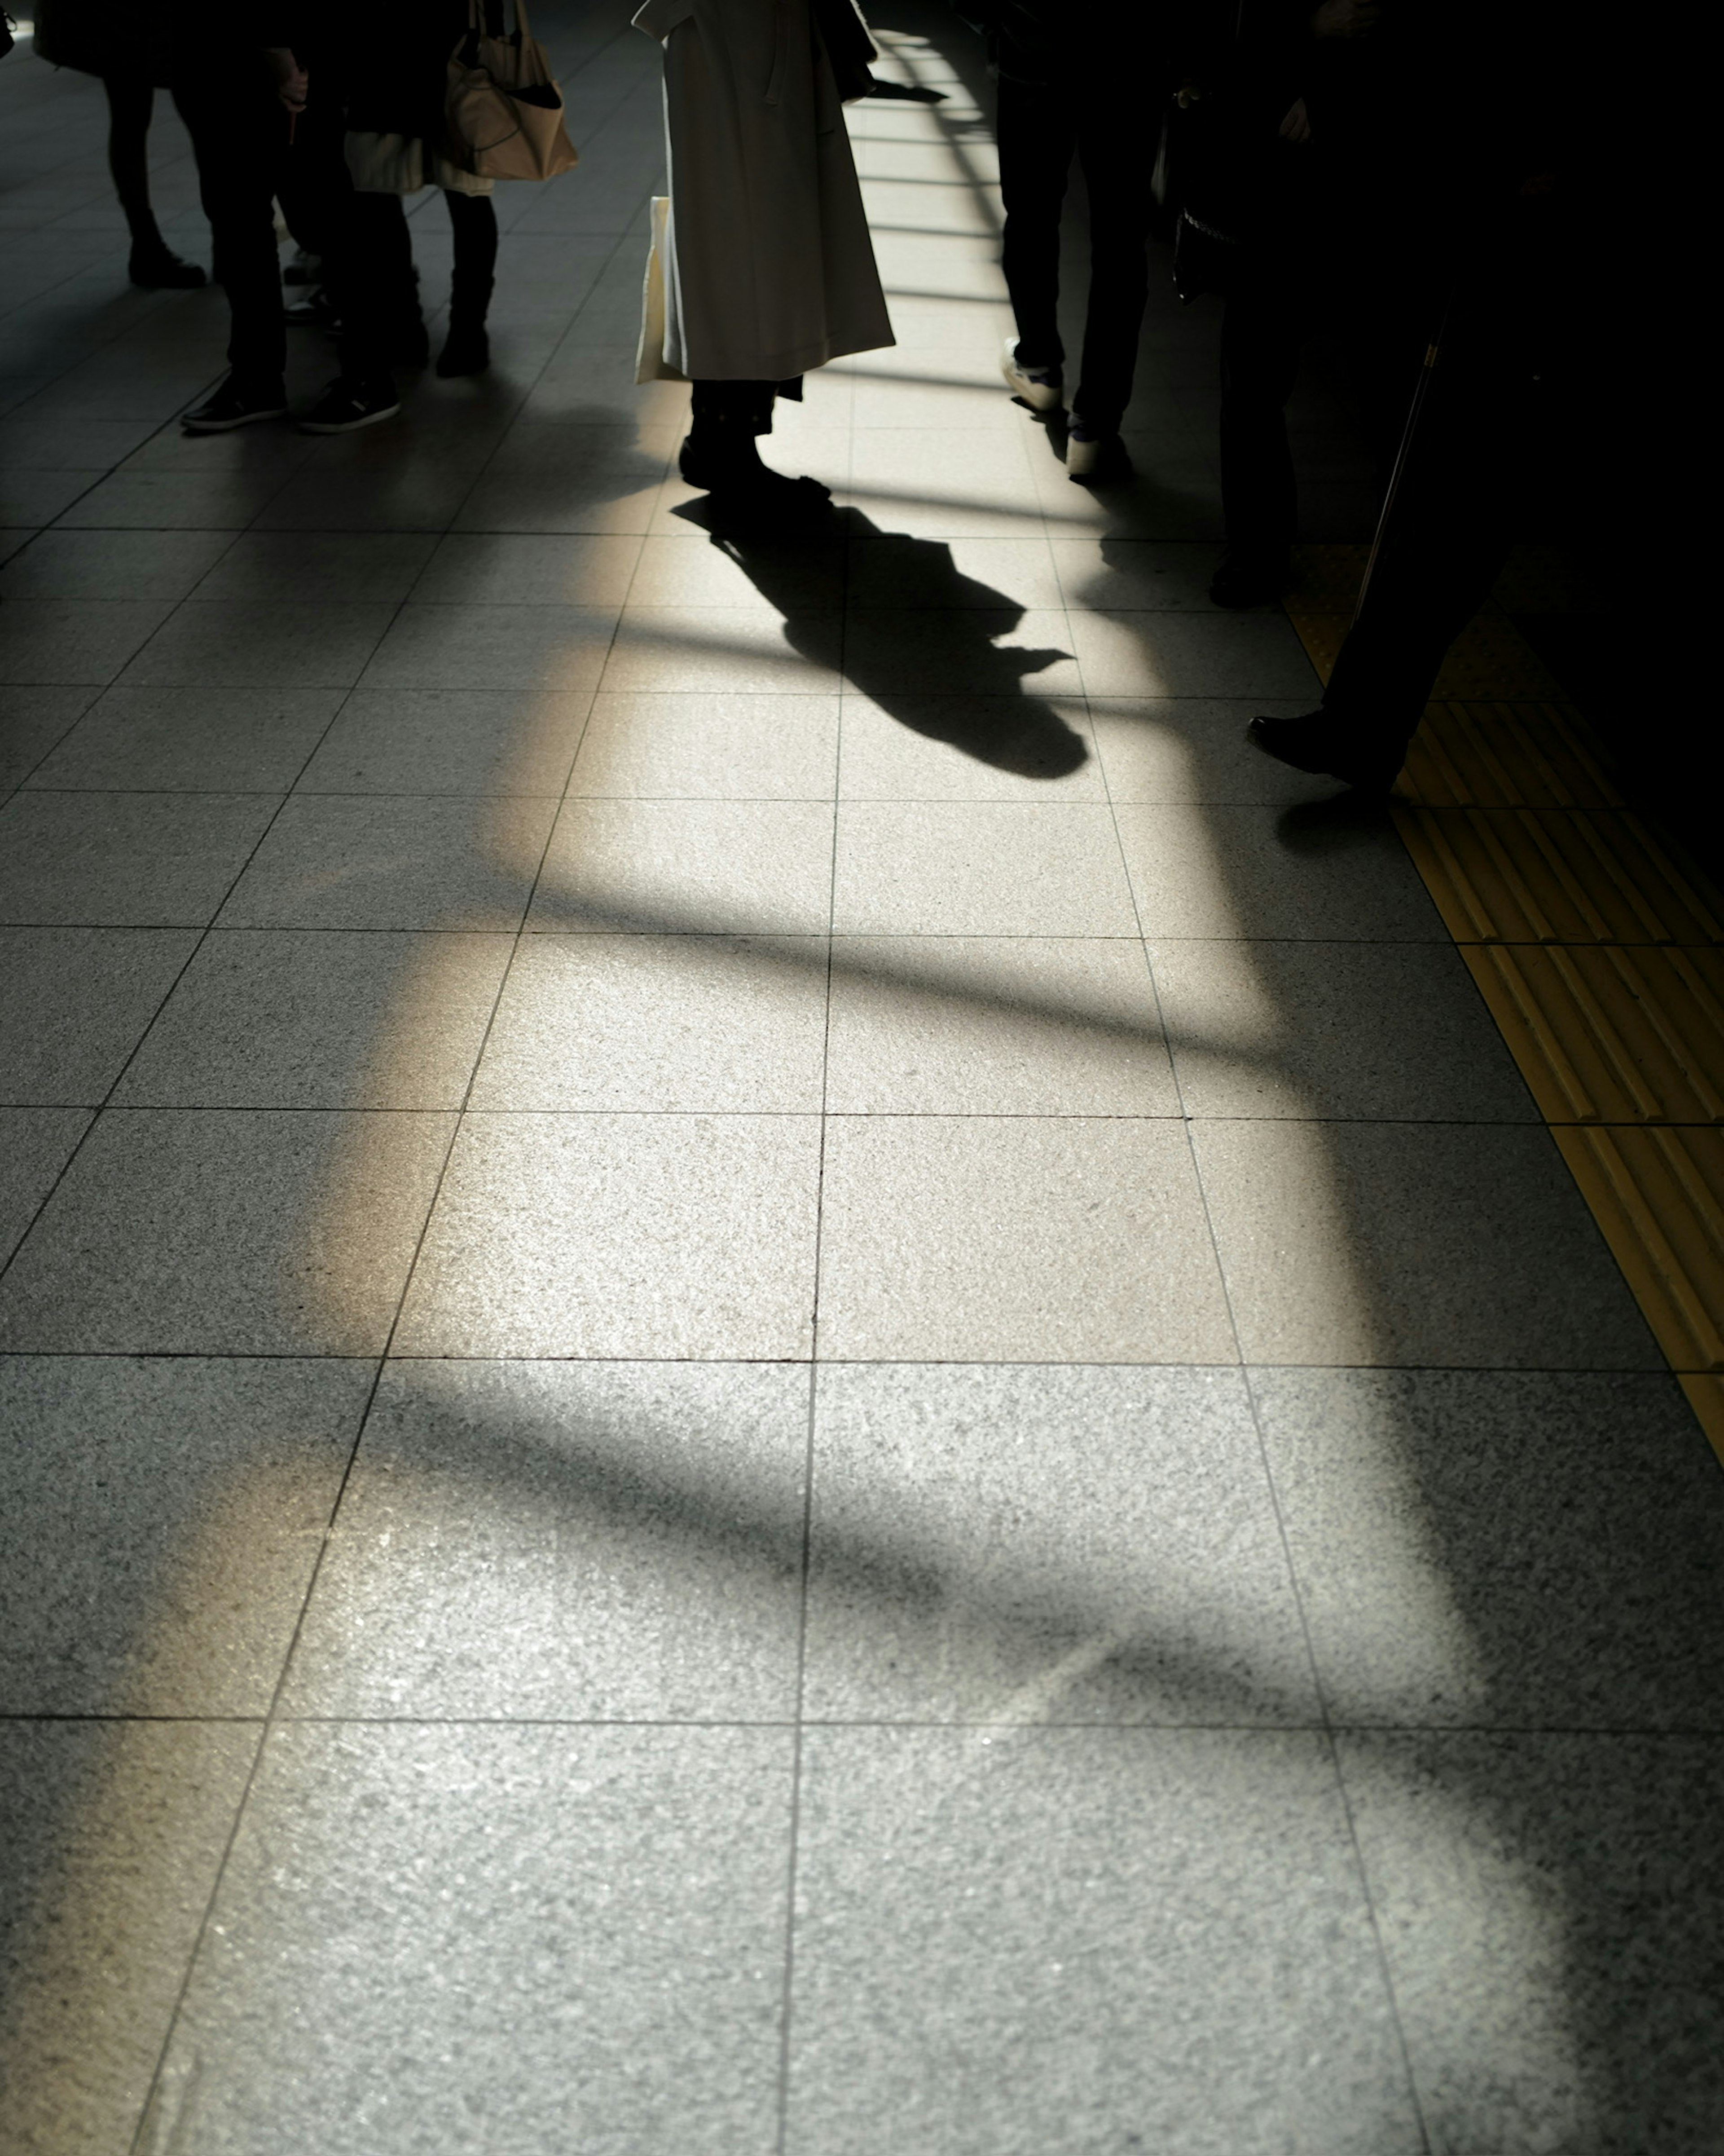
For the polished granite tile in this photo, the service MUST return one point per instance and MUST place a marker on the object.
(1018, 1941)
(316, 567)
(75, 1002)
(1550, 1906)
(575, 1541)
(959, 651)
(510, 568)
(627, 1235)
(450, 741)
(1007, 1545)
(766, 573)
(1113, 576)
(696, 1023)
(35, 1145)
(1169, 749)
(1016, 1239)
(995, 1025)
(191, 739)
(112, 565)
(908, 746)
(142, 500)
(320, 1018)
(262, 643)
(161, 1522)
(667, 746)
(389, 861)
(1228, 871)
(115, 1834)
(979, 868)
(226, 1233)
(890, 569)
(1529, 1550)
(725, 651)
(557, 1939)
(734, 868)
(1446, 1245)
(1178, 654)
(1300, 1028)
(561, 649)
(125, 859)
(32, 720)
(73, 641)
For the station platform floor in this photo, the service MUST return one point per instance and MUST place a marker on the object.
(782, 1376)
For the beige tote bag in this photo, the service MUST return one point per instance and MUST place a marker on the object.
(504, 110)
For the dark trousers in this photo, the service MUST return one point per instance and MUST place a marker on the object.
(246, 159)
(1445, 536)
(1263, 332)
(1041, 129)
(473, 225)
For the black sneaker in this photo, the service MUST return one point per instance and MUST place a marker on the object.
(347, 405)
(236, 404)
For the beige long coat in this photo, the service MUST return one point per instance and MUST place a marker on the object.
(762, 267)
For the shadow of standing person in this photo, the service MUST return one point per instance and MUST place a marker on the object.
(917, 638)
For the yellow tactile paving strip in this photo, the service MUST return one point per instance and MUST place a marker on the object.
(1601, 957)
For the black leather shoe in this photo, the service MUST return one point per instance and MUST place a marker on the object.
(236, 404)
(159, 269)
(1248, 579)
(1316, 744)
(346, 406)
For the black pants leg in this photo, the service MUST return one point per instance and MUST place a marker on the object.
(1262, 332)
(239, 136)
(1110, 148)
(132, 99)
(473, 223)
(1442, 547)
(1038, 138)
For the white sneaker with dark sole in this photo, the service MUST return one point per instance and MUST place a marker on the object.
(1041, 389)
(345, 407)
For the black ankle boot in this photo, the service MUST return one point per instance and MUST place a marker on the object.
(466, 350)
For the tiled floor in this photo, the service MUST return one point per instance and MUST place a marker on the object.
(781, 1374)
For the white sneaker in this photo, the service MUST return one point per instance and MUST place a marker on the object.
(1091, 457)
(1043, 390)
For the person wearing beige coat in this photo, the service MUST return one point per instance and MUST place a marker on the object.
(761, 267)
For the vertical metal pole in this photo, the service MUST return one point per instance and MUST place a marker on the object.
(1421, 391)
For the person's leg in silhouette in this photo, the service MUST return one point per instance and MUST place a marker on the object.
(473, 221)
(132, 99)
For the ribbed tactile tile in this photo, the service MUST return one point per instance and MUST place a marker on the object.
(1533, 876)
(1658, 1193)
(1504, 756)
(1610, 1033)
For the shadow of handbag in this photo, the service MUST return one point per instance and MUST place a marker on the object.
(503, 111)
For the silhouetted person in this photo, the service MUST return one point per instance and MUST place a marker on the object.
(762, 267)
(1482, 212)
(399, 86)
(268, 120)
(1081, 79)
(125, 47)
